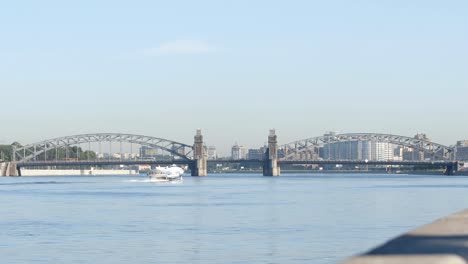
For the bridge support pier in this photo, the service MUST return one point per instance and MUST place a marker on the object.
(9, 169)
(199, 165)
(3, 168)
(270, 160)
(451, 169)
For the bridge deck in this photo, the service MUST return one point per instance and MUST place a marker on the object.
(185, 162)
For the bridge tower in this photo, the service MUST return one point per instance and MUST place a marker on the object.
(270, 159)
(199, 165)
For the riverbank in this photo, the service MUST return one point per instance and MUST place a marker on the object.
(38, 172)
(87, 172)
(411, 172)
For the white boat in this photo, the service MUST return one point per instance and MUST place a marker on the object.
(166, 174)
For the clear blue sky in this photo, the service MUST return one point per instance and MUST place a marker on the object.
(233, 68)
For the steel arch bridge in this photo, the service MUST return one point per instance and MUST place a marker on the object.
(31, 151)
(294, 149)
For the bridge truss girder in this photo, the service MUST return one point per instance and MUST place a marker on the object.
(292, 150)
(31, 151)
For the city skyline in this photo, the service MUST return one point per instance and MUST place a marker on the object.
(233, 69)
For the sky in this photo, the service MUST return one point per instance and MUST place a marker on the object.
(234, 69)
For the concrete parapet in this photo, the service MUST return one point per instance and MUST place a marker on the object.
(413, 259)
(443, 241)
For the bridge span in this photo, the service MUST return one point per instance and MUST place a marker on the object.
(42, 154)
(46, 153)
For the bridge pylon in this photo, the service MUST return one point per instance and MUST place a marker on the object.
(270, 159)
(199, 165)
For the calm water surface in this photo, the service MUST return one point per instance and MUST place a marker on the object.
(215, 219)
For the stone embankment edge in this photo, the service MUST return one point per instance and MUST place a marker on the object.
(444, 241)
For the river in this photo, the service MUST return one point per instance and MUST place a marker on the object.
(222, 218)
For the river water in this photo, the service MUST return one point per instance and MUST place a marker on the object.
(222, 218)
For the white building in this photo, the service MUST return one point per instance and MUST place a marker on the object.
(239, 152)
(211, 152)
(462, 150)
(359, 150)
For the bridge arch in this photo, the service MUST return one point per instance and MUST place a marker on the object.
(437, 151)
(31, 151)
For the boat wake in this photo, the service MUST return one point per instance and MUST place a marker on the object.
(154, 181)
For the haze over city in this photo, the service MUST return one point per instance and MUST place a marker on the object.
(235, 69)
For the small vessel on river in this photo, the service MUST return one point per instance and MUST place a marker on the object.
(166, 174)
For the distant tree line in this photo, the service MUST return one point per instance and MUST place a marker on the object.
(6, 151)
(61, 153)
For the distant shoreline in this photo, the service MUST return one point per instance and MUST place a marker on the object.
(33, 173)
(418, 172)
